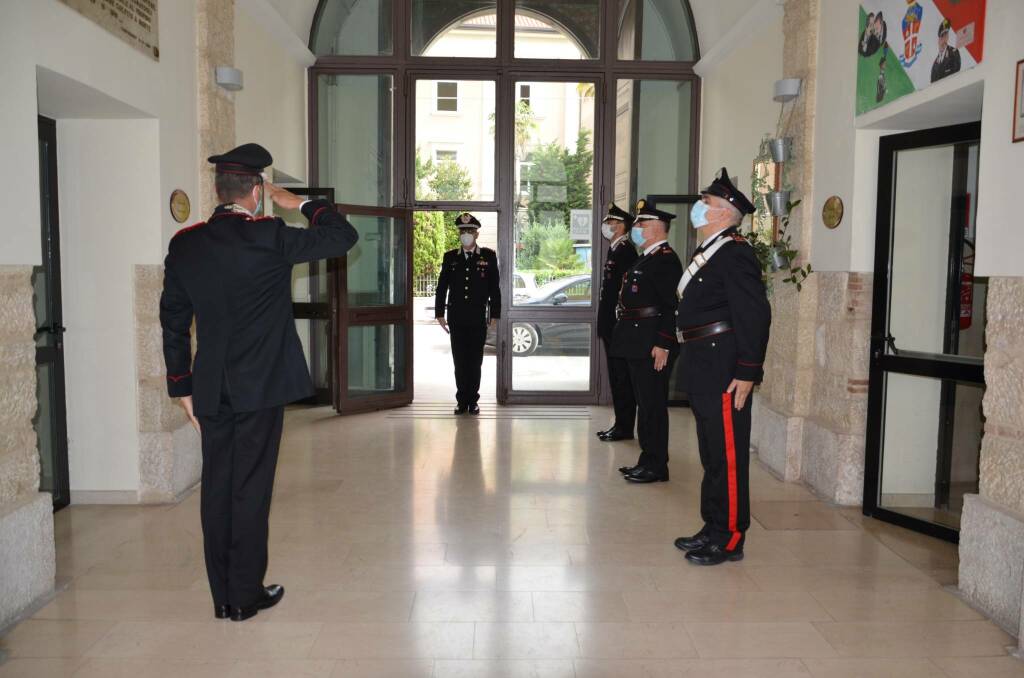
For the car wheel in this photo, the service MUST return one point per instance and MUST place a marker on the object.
(525, 339)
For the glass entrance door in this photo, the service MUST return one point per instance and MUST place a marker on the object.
(549, 226)
(374, 312)
(927, 377)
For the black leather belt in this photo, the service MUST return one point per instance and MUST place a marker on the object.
(638, 312)
(704, 331)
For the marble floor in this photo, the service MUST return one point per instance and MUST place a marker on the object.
(504, 546)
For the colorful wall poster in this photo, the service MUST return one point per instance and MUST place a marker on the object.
(906, 45)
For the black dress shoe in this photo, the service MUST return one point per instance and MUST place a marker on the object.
(602, 434)
(474, 409)
(697, 541)
(272, 595)
(221, 611)
(461, 409)
(713, 554)
(626, 470)
(642, 475)
(613, 434)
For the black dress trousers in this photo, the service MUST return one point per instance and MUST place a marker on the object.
(623, 399)
(723, 436)
(651, 391)
(239, 460)
(468, 355)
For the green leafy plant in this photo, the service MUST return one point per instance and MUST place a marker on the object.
(779, 253)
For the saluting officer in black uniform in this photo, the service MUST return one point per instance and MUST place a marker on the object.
(468, 287)
(645, 337)
(723, 323)
(621, 256)
(233, 273)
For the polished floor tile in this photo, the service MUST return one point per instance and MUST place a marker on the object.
(504, 548)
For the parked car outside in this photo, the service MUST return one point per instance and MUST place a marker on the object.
(527, 337)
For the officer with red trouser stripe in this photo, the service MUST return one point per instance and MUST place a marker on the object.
(722, 322)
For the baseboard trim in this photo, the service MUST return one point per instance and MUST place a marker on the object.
(104, 497)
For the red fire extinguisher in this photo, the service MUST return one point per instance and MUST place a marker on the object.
(966, 299)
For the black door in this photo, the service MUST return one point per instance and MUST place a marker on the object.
(927, 332)
(51, 420)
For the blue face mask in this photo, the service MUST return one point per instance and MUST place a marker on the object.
(636, 234)
(699, 214)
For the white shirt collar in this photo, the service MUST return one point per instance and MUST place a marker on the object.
(475, 250)
(617, 241)
(651, 248)
(708, 240)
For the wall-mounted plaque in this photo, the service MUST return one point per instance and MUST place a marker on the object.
(181, 206)
(832, 212)
(134, 21)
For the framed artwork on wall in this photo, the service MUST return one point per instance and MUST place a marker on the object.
(1018, 103)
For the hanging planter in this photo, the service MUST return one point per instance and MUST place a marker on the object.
(779, 149)
(778, 259)
(778, 203)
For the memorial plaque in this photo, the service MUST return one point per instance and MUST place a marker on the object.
(134, 21)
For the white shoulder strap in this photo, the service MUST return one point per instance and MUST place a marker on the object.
(699, 261)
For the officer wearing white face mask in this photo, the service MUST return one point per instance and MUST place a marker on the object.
(645, 337)
(723, 320)
(468, 289)
(621, 257)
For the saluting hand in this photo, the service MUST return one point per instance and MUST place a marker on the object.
(660, 356)
(283, 198)
(186, 404)
(740, 392)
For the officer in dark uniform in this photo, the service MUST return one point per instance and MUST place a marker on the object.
(468, 288)
(947, 60)
(723, 323)
(621, 256)
(233, 274)
(645, 337)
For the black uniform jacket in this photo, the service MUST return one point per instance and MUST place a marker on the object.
(468, 287)
(620, 259)
(234, 274)
(729, 287)
(651, 281)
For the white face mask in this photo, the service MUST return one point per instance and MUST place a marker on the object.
(607, 231)
(467, 239)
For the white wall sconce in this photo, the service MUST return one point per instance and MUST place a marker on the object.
(786, 90)
(230, 78)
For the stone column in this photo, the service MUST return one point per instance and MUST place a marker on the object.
(170, 460)
(27, 558)
(992, 526)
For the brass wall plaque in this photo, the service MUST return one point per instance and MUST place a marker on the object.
(181, 206)
(832, 212)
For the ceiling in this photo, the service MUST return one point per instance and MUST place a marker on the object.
(714, 18)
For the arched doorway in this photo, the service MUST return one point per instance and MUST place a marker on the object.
(532, 115)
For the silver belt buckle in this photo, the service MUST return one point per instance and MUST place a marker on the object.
(679, 336)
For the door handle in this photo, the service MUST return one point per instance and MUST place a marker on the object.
(52, 329)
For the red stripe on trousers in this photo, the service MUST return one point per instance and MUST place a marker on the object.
(730, 460)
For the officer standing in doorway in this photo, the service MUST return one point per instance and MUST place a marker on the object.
(621, 257)
(233, 274)
(723, 322)
(468, 288)
(645, 337)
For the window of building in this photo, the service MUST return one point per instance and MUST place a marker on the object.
(441, 156)
(524, 94)
(447, 97)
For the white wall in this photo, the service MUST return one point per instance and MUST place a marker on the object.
(87, 53)
(271, 109)
(736, 97)
(115, 178)
(100, 230)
